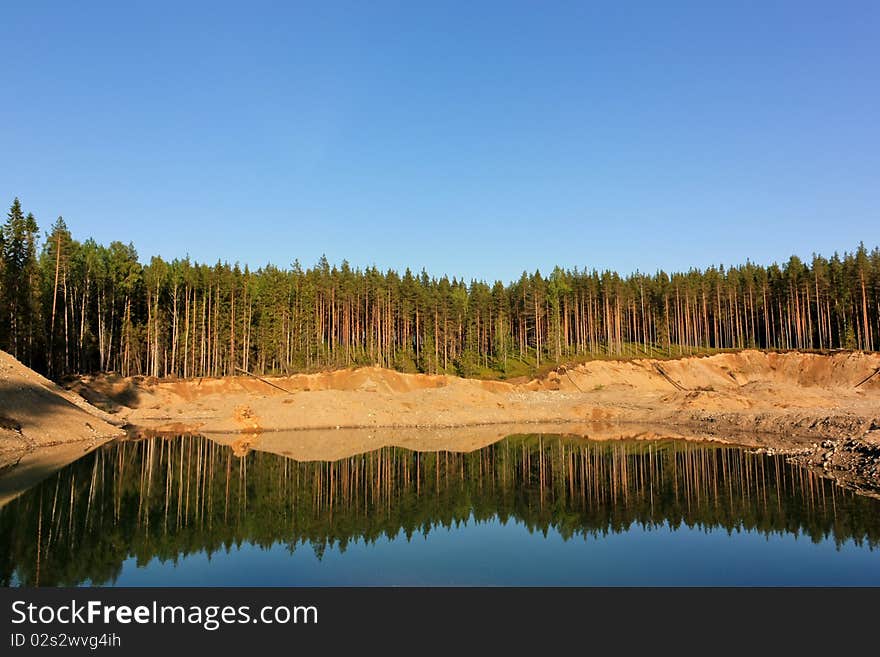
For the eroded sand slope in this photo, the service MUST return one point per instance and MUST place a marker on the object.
(36, 414)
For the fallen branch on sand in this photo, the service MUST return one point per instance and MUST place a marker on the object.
(868, 378)
(259, 378)
(562, 369)
(677, 385)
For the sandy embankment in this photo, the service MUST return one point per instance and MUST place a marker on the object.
(43, 426)
(782, 401)
(789, 403)
(793, 394)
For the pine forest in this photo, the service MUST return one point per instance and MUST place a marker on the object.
(71, 307)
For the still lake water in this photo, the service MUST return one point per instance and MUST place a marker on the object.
(527, 510)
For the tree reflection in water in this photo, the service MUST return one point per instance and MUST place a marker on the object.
(166, 498)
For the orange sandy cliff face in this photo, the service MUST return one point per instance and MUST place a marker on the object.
(790, 392)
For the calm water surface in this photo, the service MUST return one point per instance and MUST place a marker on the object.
(527, 510)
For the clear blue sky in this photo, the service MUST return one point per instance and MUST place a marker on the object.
(473, 138)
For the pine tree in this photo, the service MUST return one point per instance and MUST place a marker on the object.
(21, 285)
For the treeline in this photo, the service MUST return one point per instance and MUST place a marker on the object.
(73, 307)
(168, 498)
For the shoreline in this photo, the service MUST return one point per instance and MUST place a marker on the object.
(787, 402)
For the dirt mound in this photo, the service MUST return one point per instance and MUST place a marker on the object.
(721, 372)
(838, 370)
(108, 392)
(245, 416)
(36, 413)
(365, 379)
